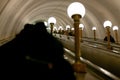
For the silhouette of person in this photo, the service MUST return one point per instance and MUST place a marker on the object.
(36, 54)
(111, 39)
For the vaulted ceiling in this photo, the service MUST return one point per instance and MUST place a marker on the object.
(15, 13)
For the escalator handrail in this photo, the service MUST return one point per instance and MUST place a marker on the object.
(103, 71)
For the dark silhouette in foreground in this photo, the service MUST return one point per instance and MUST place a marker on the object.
(34, 53)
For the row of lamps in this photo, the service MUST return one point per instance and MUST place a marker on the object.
(76, 11)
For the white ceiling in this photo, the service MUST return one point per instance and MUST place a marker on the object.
(15, 13)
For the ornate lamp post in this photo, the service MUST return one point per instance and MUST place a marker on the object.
(107, 24)
(115, 29)
(76, 11)
(51, 21)
(94, 31)
(55, 30)
(72, 31)
(67, 31)
(81, 26)
(60, 29)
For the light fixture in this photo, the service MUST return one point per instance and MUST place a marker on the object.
(107, 24)
(94, 31)
(76, 8)
(81, 26)
(115, 29)
(76, 11)
(67, 27)
(60, 29)
(52, 21)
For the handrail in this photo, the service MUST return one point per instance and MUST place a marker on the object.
(107, 73)
(99, 42)
(113, 51)
(103, 71)
(116, 48)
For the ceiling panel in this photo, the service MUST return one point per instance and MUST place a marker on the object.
(15, 13)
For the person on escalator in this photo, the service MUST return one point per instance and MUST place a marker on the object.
(34, 53)
(111, 39)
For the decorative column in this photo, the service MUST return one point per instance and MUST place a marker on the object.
(76, 11)
(67, 31)
(81, 26)
(94, 32)
(55, 30)
(115, 29)
(51, 21)
(107, 24)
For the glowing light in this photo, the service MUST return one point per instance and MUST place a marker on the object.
(115, 27)
(107, 23)
(52, 20)
(93, 28)
(76, 8)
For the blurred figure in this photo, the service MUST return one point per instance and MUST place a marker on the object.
(111, 39)
(35, 54)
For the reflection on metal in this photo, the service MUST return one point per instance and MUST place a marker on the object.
(103, 71)
(115, 51)
(70, 52)
(101, 45)
(107, 73)
(65, 57)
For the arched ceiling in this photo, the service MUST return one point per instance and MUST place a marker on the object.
(15, 13)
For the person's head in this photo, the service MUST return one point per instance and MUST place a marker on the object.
(28, 26)
(40, 26)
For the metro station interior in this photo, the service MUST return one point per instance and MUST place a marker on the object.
(81, 27)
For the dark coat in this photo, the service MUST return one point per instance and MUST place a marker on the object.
(111, 39)
(34, 53)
